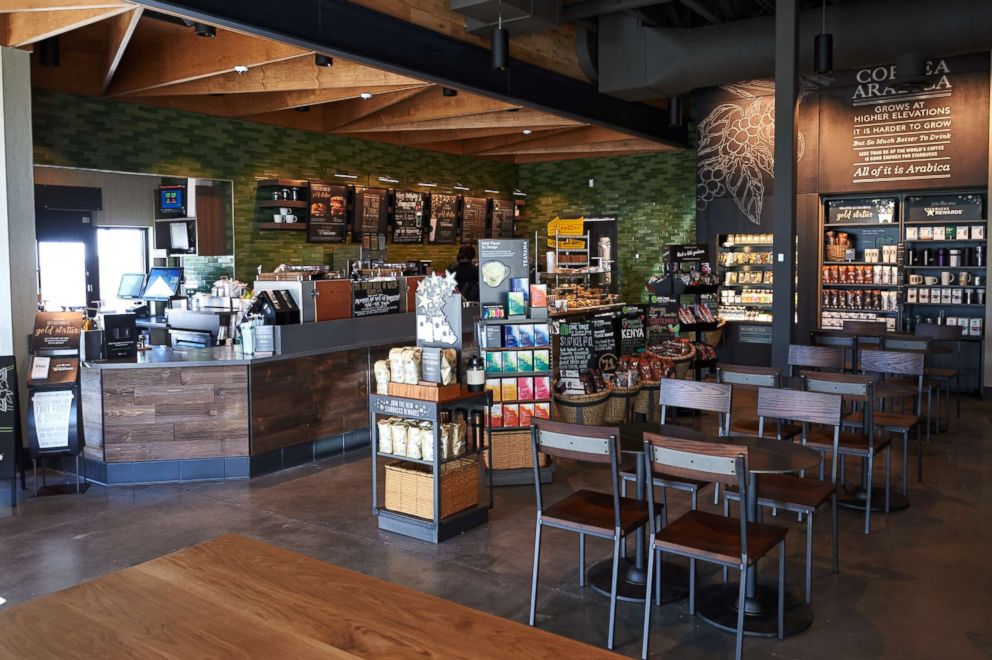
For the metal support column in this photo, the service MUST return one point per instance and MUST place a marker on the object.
(784, 200)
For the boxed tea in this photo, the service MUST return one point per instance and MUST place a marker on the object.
(538, 295)
(542, 387)
(511, 414)
(511, 336)
(494, 362)
(525, 361)
(496, 419)
(542, 360)
(526, 413)
(493, 385)
(493, 337)
(516, 304)
(541, 335)
(511, 362)
(527, 335)
(525, 388)
(509, 389)
(542, 410)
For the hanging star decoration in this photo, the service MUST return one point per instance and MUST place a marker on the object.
(432, 297)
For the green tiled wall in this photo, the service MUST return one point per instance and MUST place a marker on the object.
(78, 131)
(207, 270)
(653, 195)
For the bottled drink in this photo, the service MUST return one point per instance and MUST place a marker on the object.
(475, 373)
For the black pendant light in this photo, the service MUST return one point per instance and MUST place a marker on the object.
(823, 47)
(500, 42)
(675, 111)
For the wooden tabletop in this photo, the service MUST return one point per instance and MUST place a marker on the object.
(771, 456)
(236, 597)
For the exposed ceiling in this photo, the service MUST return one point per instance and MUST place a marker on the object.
(116, 49)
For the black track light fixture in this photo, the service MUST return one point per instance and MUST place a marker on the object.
(447, 91)
(823, 47)
(323, 60)
(500, 42)
(204, 30)
(49, 53)
(675, 111)
(302, 108)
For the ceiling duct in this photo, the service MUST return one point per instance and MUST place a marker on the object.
(637, 62)
(519, 16)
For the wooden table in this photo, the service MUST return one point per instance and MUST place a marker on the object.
(235, 597)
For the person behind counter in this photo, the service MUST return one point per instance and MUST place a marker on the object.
(467, 273)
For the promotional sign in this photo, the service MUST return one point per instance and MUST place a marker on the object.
(328, 213)
(371, 218)
(57, 332)
(944, 207)
(880, 210)
(564, 229)
(444, 218)
(408, 217)
(439, 312)
(501, 260)
(604, 340)
(475, 213)
(375, 298)
(575, 346)
(633, 335)
(503, 217)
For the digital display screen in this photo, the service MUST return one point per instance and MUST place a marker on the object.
(179, 235)
(162, 283)
(131, 286)
(171, 198)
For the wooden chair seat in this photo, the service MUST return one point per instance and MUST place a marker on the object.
(886, 421)
(900, 388)
(848, 441)
(940, 372)
(590, 510)
(717, 537)
(790, 489)
(750, 427)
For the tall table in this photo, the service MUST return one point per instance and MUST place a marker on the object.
(633, 572)
(718, 603)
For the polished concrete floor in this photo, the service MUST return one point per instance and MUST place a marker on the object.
(920, 586)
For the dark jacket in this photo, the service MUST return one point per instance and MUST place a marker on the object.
(467, 276)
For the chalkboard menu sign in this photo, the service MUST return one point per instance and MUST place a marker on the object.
(632, 330)
(474, 214)
(444, 218)
(502, 225)
(662, 320)
(57, 332)
(604, 340)
(371, 218)
(328, 213)
(408, 217)
(375, 298)
(8, 415)
(865, 210)
(575, 346)
(944, 207)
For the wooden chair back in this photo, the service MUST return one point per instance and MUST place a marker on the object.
(799, 406)
(739, 374)
(865, 328)
(948, 333)
(816, 357)
(697, 395)
(900, 363)
(854, 387)
(832, 338)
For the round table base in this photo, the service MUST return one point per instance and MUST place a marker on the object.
(853, 497)
(717, 605)
(630, 585)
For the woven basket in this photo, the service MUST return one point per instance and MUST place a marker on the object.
(410, 488)
(512, 450)
(646, 401)
(683, 363)
(715, 336)
(619, 404)
(585, 409)
(837, 252)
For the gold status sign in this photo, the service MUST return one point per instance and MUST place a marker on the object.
(561, 231)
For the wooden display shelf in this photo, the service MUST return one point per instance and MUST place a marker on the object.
(944, 268)
(858, 225)
(946, 222)
(283, 203)
(859, 311)
(283, 183)
(429, 391)
(859, 286)
(283, 226)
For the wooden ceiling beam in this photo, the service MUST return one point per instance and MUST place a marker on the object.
(630, 145)
(521, 159)
(120, 29)
(12, 6)
(184, 57)
(354, 110)
(24, 28)
(571, 137)
(521, 119)
(469, 135)
(294, 73)
(429, 105)
(497, 144)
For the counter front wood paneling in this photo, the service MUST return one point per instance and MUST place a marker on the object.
(90, 393)
(305, 399)
(174, 413)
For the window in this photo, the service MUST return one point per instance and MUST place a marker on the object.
(63, 274)
(120, 250)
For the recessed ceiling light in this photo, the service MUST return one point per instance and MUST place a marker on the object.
(241, 69)
(344, 175)
(323, 60)
(365, 96)
(527, 131)
(204, 30)
(427, 185)
(459, 186)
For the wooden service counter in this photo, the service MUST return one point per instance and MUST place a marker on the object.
(186, 414)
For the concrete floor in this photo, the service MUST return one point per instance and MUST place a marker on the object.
(919, 586)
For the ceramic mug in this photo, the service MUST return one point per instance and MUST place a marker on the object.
(289, 218)
(964, 279)
(946, 278)
(916, 279)
(277, 218)
(930, 279)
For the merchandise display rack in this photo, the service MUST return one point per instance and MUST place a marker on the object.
(745, 301)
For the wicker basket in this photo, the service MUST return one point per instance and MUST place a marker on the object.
(512, 450)
(585, 409)
(837, 252)
(683, 363)
(410, 488)
(646, 401)
(619, 404)
(715, 336)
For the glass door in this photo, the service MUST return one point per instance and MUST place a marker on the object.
(120, 250)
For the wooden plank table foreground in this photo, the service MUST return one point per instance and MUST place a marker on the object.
(236, 597)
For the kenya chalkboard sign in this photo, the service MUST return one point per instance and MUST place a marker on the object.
(444, 218)
(375, 298)
(475, 214)
(604, 341)
(503, 218)
(328, 213)
(633, 334)
(575, 346)
(408, 217)
(371, 218)
(945, 207)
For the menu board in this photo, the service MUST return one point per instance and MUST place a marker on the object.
(328, 213)
(375, 298)
(633, 336)
(408, 217)
(604, 341)
(867, 210)
(503, 217)
(57, 331)
(575, 346)
(371, 218)
(662, 321)
(944, 207)
(444, 218)
(474, 215)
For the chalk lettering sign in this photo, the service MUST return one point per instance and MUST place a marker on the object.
(475, 212)
(945, 207)
(408, 217)
(328, 213)
(444, 218)
(575, 346)
(375, 298)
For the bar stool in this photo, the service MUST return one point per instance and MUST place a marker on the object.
(585, 512)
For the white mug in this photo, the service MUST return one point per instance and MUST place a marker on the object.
(916, 279)
(930, 280)
(946, 278)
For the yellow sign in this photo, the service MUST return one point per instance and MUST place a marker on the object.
(566, 228)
